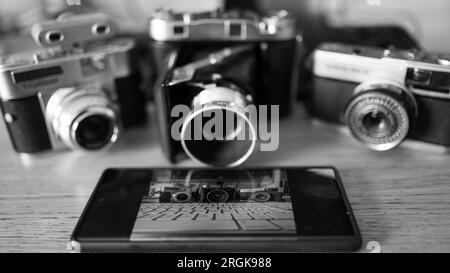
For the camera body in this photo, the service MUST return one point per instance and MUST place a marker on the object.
(218, 194)
(261, 195)
(177, 195)
(222, 56)
(383, 95)
(79, 91)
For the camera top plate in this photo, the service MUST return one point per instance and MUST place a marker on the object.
(425, 74)
(437, 60)
(49, 69)
(165, 25)
(74, 30)
(57, 55)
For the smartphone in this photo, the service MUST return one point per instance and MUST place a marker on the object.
(218, 210)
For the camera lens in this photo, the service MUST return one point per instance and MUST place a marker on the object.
(182, 197)
(261, 197)
(95, 132)
(381, 116)
(83, 119)
(217, 196)
(218, 131)
(377, 124)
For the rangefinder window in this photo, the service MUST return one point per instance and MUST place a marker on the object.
(235, 30)
(101, 29)
(54, 37)
(429, 80)
(178, 30)
(19, 77)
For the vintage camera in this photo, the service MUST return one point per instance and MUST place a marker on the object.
(222, 61)
(261, 195)
(383, 96)
(176, 195)
(218, 194)
(77, 92)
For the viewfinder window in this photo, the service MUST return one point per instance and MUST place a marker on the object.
(178, 30)
(235, 30)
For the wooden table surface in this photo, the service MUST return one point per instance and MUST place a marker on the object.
(401, 198)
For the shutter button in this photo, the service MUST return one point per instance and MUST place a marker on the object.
(9, 118)
(443, 60)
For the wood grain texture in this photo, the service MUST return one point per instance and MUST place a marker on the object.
(401, 198)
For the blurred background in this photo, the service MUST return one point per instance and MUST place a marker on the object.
(402, 23)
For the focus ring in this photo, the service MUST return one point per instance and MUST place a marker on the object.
(393, 117)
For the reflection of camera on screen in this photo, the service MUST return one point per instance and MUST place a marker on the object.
(213, 201)
(243, 202)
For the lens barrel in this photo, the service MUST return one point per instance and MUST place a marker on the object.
(182, 197)
(381, 115)
(232, 141)
(83, 119)
(260, 197)
(217, 196)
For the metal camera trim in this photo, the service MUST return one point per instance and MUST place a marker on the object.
(91, 112)
(63, 124)
(216, 98)
(228, 23)
(244, 158)
(373, 62)
(277, 25)
(114, 53)
(397, 87)
(376, 147)
(384, 84)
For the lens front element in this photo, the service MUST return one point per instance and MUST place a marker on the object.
(95, 131)
(379, 119)
(83, 119)
(217, 196)
(260, 197)
(378, 124)
(232, 138)
(182, 197)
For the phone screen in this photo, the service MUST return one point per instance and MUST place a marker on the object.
(270, 202)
